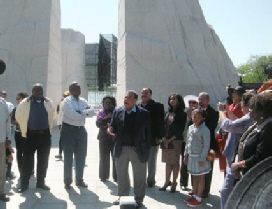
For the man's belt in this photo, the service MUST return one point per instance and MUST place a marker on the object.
(66, 124)
(38, 131)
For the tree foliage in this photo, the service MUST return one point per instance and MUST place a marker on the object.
(258, 69)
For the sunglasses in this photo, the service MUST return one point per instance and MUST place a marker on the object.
(192, 102)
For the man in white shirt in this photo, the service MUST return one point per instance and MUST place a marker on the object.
(9, 104)
(74, 135)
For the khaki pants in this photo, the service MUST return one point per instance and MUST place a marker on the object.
(139, 173)
(2, 167)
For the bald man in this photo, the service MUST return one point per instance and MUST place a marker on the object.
(75, 110)
(35, 116)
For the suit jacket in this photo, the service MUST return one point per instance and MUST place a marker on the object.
(177, 126)
(156, 111)
(211, 121)
(142, 134)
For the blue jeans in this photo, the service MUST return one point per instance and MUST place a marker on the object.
(74, 142)
(227, 187)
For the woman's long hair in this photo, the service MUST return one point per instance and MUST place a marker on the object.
(180, 105)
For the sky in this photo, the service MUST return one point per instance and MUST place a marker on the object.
(243, 26)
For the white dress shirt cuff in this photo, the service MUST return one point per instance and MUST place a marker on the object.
(88, 113)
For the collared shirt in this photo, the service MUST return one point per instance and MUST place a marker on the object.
(235, 128)
(38, 116)
(132, 110)
(4, 121)
(10, 106)
(74, 111)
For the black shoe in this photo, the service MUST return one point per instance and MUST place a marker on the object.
(4, 198)
(58, 157)
(43, 186)
(115, 180)
(103, 180)
(116, 202)
(165, 186)
(22, 189)
(150, 184)
(68, 186)
(184, 188)
(173, 187)
(82, 184)
(205, 195)
(10, 176)
(139, 204)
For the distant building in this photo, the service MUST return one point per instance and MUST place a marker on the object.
(101, 63)
(91, 54)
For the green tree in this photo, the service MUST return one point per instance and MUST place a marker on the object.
(258, 69)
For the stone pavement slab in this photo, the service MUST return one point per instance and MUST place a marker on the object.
(98, 195)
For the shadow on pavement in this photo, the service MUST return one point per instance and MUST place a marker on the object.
(86, 198)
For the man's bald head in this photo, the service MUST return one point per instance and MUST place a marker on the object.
(75, 89)
(37, 91)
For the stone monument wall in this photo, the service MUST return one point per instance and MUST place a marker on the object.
(169, 47)
(30, 44)
(73, 60)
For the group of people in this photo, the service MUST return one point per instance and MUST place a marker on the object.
(133, 133)
(33, 118)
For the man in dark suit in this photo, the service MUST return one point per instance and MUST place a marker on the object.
(130, 126)
(156, 111)
(211, 121)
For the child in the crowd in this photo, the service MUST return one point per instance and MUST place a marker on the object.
(196, 152)
(9, 159)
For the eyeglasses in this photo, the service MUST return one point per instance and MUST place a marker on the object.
(192, 102)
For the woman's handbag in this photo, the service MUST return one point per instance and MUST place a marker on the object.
(211, 155)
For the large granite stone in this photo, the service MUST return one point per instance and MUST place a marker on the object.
(73, 60)
(169, 47)
(254, 190)
(30, 44)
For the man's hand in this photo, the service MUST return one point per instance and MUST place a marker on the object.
(109, 130)
(109, 116)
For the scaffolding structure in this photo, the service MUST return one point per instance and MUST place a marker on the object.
(101, 68)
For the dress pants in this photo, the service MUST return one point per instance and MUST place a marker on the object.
(60, 145)
(139, 173)
(183, 169)
(19, 149)
(208, 181)
(74, 143)
(105, 154)
(152, 164)
(39, 141)
(2, 167)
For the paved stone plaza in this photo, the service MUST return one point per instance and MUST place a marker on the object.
(98, 194)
